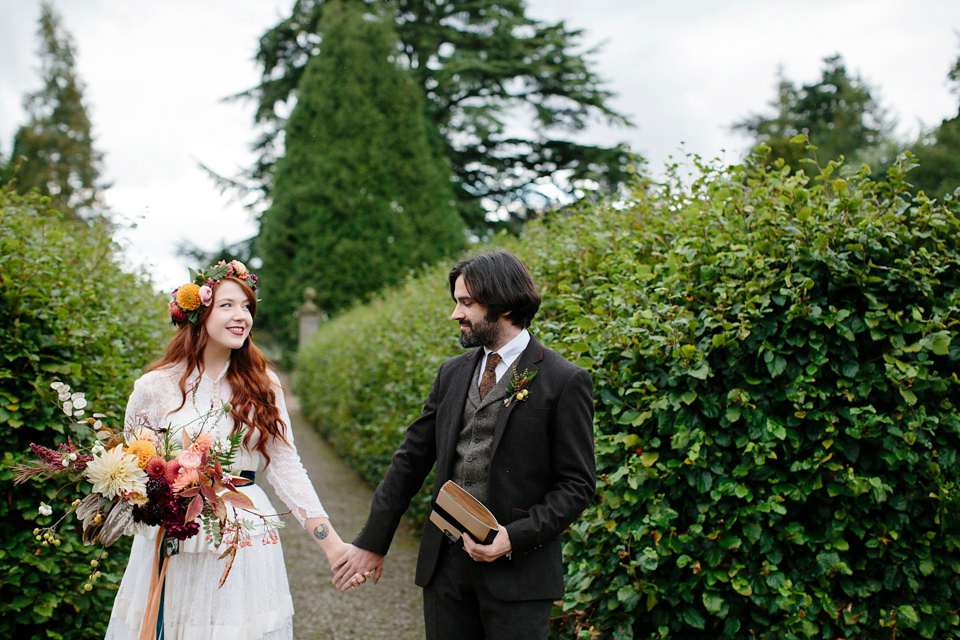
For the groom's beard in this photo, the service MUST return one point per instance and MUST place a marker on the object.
(479, 334)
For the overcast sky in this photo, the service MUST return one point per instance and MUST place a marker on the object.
(156, 72)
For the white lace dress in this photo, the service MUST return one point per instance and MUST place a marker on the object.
(255, 601)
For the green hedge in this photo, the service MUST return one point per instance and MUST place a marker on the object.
(775, 371)
(68, 311)
(364, 377)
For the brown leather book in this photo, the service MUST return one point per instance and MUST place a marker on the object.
(456, 511)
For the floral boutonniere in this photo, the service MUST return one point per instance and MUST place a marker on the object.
(517, 389)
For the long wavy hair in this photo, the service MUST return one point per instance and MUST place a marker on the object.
(254, 402)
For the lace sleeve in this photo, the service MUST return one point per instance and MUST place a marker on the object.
(286, 473)
(147, 402)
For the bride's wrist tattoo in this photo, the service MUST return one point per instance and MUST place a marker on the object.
(321, 532)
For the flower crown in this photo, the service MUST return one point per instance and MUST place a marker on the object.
(187, 300)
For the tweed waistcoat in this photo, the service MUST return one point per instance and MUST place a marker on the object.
(472, 467)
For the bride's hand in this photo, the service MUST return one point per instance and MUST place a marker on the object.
(337, 551)
(355, 567)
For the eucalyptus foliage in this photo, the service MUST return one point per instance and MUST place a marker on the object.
(68, 312)
(775, 367)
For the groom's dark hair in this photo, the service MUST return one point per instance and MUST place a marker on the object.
(501, 283)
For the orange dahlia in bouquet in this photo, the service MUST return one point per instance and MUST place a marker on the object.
(146, 475)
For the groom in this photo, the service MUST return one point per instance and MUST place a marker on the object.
(527, 456)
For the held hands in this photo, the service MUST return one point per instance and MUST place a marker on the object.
(336, 550)
(500, 546)
(352, 581)
(354, 567)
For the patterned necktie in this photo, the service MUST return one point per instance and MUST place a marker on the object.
(489, 378)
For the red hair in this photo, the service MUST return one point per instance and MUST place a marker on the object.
(254, 402)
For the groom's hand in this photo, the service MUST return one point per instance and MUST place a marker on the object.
(356, 561)
(499, 546)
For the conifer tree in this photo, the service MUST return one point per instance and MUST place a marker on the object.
(360, 198)
(481, 64)
(838, 114)
(54, 151)
(938, 152)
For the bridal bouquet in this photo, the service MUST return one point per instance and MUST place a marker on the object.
(143, 474)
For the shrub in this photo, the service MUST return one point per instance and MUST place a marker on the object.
(364, 377)
(774, 366)
(775, 371)
(67, 311)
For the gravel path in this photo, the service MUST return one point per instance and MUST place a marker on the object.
(393, 608)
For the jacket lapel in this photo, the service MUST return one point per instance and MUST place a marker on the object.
(449, 423)
(498, 393)
(529, 361)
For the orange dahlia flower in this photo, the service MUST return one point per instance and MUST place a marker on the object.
(188, 297)
(144, 451)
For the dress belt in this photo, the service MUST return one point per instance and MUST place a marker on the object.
(249, 475)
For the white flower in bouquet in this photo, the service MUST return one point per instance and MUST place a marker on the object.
(115, 471)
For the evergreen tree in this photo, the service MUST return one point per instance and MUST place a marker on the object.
(481, 64)
(938, 152)
(54, 151)
(246, 251)
(360, 197)
(6, 169)
(838, 114)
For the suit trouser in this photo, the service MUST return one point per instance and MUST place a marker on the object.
(457, 605)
